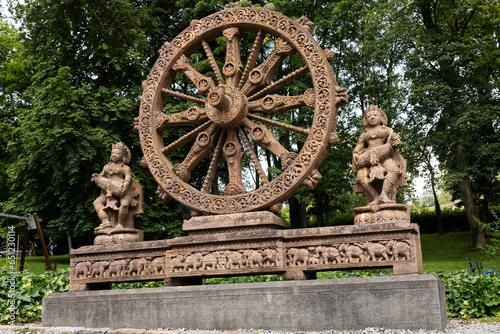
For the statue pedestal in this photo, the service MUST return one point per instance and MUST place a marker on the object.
(382, 213)
(118, 236)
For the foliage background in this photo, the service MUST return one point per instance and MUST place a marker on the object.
(71, 72)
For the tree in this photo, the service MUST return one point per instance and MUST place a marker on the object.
(452, 64)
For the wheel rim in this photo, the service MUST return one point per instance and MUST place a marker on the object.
(226, 117)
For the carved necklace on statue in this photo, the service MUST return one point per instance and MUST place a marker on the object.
(115, 170)
(380, 132)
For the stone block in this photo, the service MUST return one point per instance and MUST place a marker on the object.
(396, 302)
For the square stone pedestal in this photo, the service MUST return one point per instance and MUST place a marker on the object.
(394, 302)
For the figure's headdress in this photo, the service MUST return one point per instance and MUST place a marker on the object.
(383, 116)
(125, 150)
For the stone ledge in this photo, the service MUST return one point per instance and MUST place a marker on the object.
(395, 302)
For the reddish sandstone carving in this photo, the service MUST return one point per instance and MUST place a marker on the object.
(238, 110)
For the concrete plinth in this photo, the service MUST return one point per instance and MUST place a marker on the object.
(396, 302)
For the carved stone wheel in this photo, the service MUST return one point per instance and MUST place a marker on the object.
(233, 110)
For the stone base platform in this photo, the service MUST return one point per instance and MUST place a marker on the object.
(394, 302)
(248, 244)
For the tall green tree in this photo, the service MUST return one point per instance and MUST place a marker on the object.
(452, 64)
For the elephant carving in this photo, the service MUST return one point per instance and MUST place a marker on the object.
(353, 253)
(118, 268)
(234, 259)
(137, 267)
(175, 263)
(375, 249)
(99, 269)
(209, 262)
(193, 262)
(82, 269)
(271, 257)
(297, 256)
(254, 258)
(158, 265)
(327, 254)
(399, 248)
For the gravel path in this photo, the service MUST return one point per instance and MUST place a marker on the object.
(454, 326)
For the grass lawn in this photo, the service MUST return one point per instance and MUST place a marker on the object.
(36, 264)
(447, 253)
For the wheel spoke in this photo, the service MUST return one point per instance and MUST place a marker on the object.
(280, 83)
(192, 116)
(168, 92)
(284, 126)
(202, 83)
(253, 157)
(261, 135)
(278, 104)
(232, 67)
(205, 142)
(185, 139)
(212, 169)
(263, 74)
(234, 157)
(252, 58)
(212, 61)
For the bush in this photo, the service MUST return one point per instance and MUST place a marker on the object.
(21, 293)
(471, 295)
(454, 220)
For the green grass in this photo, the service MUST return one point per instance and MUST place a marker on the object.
(36, 264)
(447, 253)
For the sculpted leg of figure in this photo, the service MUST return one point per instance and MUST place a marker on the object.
(370, 192)
(123, 212)
(390, 180)
(99, 204)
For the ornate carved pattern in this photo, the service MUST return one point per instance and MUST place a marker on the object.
(143, 267)
(249, 85)
(224, 260)
(351, 252)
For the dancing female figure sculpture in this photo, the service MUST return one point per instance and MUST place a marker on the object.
(379, 169)
(121, 195)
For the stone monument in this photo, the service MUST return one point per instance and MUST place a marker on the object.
(120, 200)
(379, 171)
(232, 113)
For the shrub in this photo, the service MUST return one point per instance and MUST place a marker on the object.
(24, 297)
(471, 295)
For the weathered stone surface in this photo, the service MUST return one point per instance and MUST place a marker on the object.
(295, 253)
(378, 167)
(127, 331)
(234, 222)
(120, 200)
(397, 302)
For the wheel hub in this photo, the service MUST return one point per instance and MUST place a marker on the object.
(227, 106)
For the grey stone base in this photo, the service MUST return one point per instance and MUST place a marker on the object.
(395, 302)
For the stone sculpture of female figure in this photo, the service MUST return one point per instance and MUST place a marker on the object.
(121, 195)
(379, 169)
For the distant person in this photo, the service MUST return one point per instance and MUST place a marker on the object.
(51, 246)
(31, 249)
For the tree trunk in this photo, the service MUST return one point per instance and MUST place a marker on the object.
(436, 201)
(478, 236)
(70, 243)
(297, 213)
